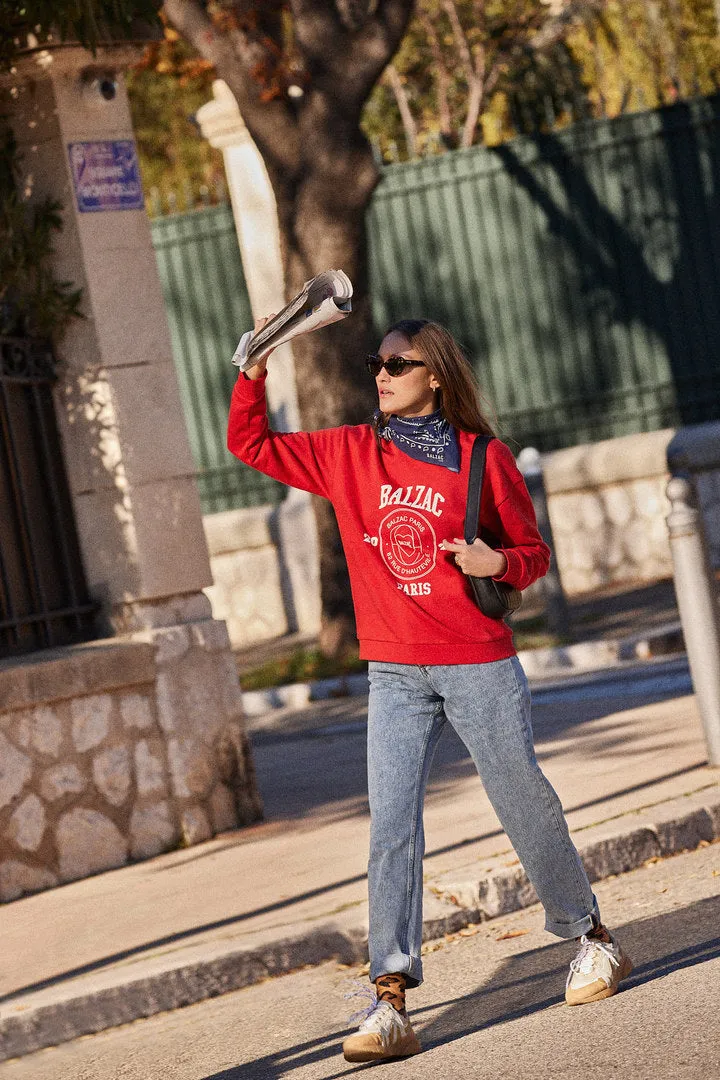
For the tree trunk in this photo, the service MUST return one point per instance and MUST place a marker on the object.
(323, 174)
(321, 214)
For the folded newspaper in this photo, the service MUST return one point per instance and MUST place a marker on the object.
(324, 299)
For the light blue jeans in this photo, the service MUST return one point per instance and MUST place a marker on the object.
(488, 705)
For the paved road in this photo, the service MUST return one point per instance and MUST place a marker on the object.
(491, 1006)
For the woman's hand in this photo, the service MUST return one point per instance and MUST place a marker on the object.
(258, 369)
(476, 559)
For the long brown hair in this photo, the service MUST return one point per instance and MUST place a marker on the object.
(459, 395)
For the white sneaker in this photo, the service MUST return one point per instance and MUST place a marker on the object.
(385, 1034)
(596, 971)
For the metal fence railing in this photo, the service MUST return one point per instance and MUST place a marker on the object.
(580, 269)
(44, 600)
(208, 308)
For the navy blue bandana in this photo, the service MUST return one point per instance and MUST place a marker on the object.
(424, 438)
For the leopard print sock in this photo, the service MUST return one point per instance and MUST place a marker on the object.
(599, 933)
(391, 988)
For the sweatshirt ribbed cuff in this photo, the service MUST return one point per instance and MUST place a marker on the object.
(514, 572)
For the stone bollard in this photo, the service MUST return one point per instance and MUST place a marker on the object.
(697, 601)
(556, 608)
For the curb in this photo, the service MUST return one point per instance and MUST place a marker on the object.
(583, 656)
(299, 695)
(452, 902)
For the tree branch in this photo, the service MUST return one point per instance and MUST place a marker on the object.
(343, 67)
(474, 69)
(558, 25)
(234, 58)
(442, 76)
(403, 104)
(461, 41)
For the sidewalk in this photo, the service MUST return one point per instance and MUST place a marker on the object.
(611, 625)
(291, 891)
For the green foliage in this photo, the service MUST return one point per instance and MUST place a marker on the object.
(32, 302)
(303, 665)
(644, 54)
(86, 21)
(621, 56)
(166, 89)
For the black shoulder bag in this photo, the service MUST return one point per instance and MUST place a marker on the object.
(495, 599)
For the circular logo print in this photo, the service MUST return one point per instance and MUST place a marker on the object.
(407, 544)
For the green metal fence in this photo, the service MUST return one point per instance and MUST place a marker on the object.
(208, 308)
(579, 268)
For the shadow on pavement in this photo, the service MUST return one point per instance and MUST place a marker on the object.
(292, 786)
(522, 985)
(231, 920)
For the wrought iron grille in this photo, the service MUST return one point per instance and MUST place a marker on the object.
(44, 600)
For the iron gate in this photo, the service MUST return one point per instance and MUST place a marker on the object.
(44, 600)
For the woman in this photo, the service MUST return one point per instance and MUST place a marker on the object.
(399, 489)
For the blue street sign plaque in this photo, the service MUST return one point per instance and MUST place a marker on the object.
(106, 175)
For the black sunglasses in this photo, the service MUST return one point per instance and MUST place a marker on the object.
(394, 365)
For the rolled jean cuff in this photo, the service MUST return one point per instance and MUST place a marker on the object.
(399, 964)
(575, 929)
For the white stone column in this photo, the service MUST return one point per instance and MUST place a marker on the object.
(129, 465)
(255, 213)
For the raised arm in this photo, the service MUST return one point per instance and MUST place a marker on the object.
(301, 459)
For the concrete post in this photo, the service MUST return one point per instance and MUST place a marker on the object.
(128, 460)
(255, 214)
(556, 608)
(698, 604)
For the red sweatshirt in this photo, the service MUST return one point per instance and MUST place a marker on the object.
(412, 603)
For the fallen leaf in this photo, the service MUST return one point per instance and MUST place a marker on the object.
(468, 931)
(662, 890)
(511, 934)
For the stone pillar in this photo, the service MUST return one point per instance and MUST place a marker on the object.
(128, 460)
(255, 214)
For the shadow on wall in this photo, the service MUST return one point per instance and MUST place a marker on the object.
(579, 267)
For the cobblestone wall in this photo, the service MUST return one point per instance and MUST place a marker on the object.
(117, 751)
(607, 508)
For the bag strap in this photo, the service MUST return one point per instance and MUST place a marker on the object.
(475, 483)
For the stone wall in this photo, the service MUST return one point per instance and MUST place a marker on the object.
(123, 748)
(265, 570)
(607, 507)
(115, 751)
(245, 563)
